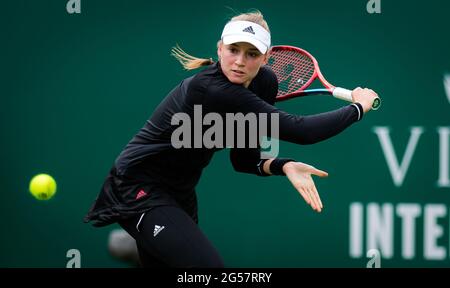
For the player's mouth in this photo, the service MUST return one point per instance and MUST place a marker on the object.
(238, 73)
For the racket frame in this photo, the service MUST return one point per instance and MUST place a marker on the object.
(338, 92)
(316, 74)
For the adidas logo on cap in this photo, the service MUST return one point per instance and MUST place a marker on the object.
(249, 29)
(246, 31)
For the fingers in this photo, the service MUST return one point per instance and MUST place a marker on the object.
(374, 93)
(305, 196)
(316, 203)
(365, 97)
(311, 196)
(319, 173)
(365, 91)
(318, 198)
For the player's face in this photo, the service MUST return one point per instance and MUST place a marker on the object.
(240, 62)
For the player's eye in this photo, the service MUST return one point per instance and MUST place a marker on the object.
(233, 50)
(253, 54)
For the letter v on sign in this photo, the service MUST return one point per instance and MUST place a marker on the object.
(447, 85)
(398, 170)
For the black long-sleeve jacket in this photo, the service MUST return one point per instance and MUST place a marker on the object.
(150, 171)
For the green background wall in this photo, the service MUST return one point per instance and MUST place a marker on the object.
(76, 87)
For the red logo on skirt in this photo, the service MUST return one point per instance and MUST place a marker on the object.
(140, 194)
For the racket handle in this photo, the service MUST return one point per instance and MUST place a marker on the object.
(345, 94)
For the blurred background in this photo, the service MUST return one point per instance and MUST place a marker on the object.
(76, 88)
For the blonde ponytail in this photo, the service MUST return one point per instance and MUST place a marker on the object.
(189, 62)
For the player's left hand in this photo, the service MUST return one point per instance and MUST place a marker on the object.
(300, 176)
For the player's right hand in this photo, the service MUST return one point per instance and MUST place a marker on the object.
(365, 97)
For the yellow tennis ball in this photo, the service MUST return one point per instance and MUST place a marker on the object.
(43, 186)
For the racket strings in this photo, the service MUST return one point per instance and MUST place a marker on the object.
(293, 70)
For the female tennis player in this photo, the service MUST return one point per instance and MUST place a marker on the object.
(150, 190)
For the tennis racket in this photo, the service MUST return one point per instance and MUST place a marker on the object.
(296, 69)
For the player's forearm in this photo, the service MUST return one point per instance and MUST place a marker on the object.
(315, 128)
(247, 160)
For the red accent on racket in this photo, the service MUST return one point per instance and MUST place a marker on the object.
(296, 69)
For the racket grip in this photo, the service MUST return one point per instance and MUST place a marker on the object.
(345, 94)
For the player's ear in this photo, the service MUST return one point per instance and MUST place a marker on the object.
(266, 58)
(219, 49)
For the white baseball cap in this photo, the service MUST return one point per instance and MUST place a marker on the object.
(246, 31)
